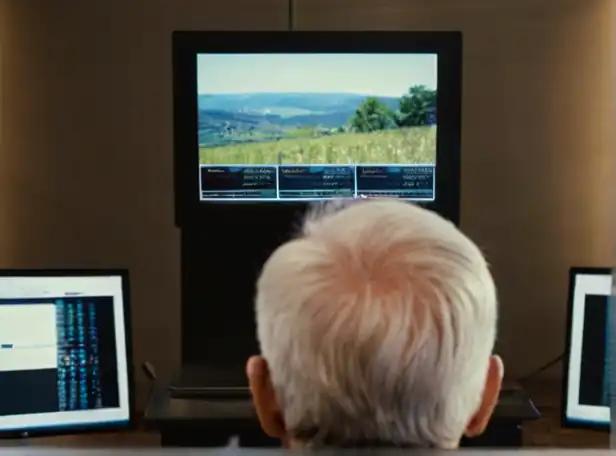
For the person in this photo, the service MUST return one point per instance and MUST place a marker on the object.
(376, 328)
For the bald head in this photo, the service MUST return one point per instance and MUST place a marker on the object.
(376, 325)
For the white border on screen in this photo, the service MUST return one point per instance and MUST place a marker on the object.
(73, 286)
(585, 284)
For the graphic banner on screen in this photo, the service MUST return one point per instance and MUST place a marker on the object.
(303, 127)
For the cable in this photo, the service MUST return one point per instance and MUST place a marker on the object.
(541, 369)
(148, 369)
(291, 18)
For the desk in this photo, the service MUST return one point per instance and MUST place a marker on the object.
(545, 432)
(210, 423)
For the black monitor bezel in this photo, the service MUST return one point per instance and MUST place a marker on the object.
(565, 421)
(47, 431)
(190, 211)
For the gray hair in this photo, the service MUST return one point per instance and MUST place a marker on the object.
(377, 323)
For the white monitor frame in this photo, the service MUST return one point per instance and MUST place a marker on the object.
(582, 282)
(50, 283)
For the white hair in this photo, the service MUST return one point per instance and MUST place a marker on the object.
(377, 324)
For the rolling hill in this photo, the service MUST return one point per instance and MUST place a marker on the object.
(225, 118)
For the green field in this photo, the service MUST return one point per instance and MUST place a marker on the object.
(415, 145)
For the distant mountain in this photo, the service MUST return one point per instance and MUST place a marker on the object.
(286, 103)
(215, 120)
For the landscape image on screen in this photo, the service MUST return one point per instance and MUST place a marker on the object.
(317, 109)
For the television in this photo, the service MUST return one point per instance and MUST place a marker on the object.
(65, 352)
(266, 122)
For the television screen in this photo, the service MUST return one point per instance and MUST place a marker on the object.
(285, 127)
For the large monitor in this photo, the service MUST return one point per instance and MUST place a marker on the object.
(65, 356)
(586, 386)
(272, 118)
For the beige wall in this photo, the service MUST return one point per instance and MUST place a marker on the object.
(86, 158)
(537, 165)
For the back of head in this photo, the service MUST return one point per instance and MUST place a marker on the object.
(377, 325)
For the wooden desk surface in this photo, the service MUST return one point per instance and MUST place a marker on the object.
(129, 439)
(545, 432)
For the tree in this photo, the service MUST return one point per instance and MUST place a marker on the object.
(373, 115)
(417, 107)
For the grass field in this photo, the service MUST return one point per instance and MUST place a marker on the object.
(401, 146)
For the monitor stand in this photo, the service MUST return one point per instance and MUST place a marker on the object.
(209, 382)
(510, 386)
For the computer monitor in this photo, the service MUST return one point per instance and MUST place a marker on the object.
(65, 352)
(273, 118)
(586, 368)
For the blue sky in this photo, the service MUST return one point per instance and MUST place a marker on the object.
(364, 74)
